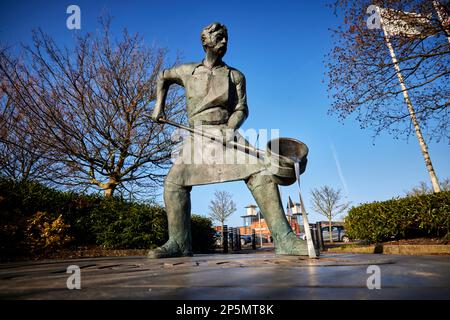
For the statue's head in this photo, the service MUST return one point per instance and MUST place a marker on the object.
(215, 37)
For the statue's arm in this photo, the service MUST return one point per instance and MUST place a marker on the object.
(240, 112)
(165, 79)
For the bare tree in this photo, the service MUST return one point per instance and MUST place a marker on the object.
(22, 157)
(89, 107)
(326, 201)
(221, 207)
(423, 188)
(365, 79)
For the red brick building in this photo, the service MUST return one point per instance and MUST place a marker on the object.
(253, 219)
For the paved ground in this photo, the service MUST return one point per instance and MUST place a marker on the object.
(230, 277)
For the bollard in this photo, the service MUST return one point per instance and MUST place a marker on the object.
(317, 240)
(232, 239)
(238, 239)
(320, 236)
(314, 235)
(225, 239)
(253, 239)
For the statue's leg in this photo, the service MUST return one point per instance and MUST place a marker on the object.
(177, 200)
(267, 196)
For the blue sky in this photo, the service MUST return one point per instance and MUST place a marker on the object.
(280, 47)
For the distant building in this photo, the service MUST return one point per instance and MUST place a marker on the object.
(253, 219)
(294, 216)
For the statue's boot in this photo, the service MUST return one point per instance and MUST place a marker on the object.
(177, 200)
(267, 196)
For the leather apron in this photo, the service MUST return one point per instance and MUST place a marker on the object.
(201, 160)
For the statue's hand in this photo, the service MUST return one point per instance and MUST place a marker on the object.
(157, 116)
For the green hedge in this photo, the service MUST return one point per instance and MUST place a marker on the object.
(117, 224)
(91, 220)
(410, 217)
(202, 234)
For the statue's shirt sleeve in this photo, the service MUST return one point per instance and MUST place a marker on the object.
(177, 74)
(238, 79)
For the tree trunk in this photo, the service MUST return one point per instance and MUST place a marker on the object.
(109, 189)
(329, 229)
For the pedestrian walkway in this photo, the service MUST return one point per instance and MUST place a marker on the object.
(233, 277)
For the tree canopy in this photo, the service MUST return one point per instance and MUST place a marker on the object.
(362, 80)
(86, 109)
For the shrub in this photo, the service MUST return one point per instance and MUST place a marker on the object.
(403, 218)
(202, 234)
(117, 224)
(45, 233)
(36, 220)
(90, 220)
(19, 202)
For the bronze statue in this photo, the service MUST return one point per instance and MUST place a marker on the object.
(216, 99)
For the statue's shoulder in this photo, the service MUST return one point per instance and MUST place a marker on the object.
(186, 68)
(236, 75)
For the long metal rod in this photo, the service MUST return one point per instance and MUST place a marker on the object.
(258, 153)
(309, 240)
(230, 144)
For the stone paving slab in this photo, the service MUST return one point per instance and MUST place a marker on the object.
(231, 277)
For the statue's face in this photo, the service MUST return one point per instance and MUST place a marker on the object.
(217, 42)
